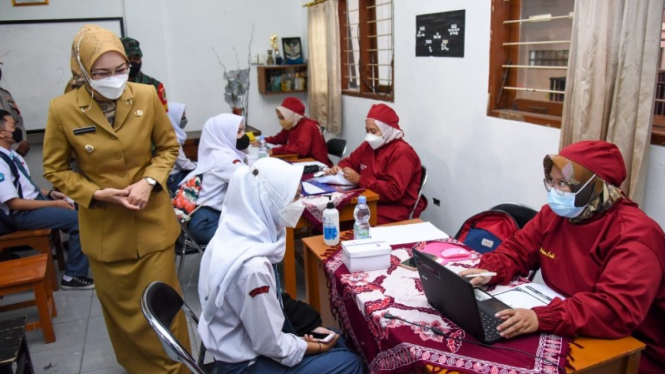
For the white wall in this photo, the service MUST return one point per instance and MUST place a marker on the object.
(177, 38)
(474, 161)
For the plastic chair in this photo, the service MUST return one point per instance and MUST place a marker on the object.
(160, 304)
(423, 180)
(336, 147)
(187, 246)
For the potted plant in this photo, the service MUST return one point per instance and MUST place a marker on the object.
(236, 90)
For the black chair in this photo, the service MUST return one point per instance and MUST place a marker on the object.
(186, 245)
(160, 304)
(423, 180)
(337, 147)
(522, 214)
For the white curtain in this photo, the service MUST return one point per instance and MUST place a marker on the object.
(325, 91)
(611, 80)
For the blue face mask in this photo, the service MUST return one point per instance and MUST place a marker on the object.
(563, 205)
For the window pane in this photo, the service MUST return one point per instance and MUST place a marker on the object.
(544, 54)
(352, 44)
(384, 43)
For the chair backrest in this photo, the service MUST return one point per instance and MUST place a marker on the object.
(190, 245)
(521, 213)
(423, 180)
(336, 147)
(160, 304)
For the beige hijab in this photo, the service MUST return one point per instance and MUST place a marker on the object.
(90, 43)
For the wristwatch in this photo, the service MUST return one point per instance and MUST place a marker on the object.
(150, 181)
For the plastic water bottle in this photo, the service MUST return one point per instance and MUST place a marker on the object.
(330, 224)
(361, 214)
(263, 147)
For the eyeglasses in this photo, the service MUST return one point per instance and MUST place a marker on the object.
(104, 73)
(561, 187)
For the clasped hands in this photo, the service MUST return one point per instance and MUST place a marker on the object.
(517, 321)
(133, 197)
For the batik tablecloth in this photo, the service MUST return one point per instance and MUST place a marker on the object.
(360, 300)
(316, 204)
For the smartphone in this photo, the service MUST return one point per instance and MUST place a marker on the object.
(410, 263)
(323, 338)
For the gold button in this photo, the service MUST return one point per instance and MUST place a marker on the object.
(114, 137)
(122, 174)
(118, 156)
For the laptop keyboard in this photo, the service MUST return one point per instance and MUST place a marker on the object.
(490, 323)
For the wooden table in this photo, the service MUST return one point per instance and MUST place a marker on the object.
(346, 214)
(598, 356)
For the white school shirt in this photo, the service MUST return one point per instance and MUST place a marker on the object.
(249, 323)
(7, 189)
(182, 163)
(215, 183)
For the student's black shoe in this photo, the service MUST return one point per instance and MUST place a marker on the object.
(78, 283)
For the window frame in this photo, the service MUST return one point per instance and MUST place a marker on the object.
(546, 113)
(366, 27)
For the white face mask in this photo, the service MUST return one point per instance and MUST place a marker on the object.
(290, 214)
(374, 141)
(111, 87)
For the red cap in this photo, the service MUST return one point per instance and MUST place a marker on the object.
(294, 104)
(385, 114)
(600, 157)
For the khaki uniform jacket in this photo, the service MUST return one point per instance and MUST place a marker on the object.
(114, 157)
(8, 103)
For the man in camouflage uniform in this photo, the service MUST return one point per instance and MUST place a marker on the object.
(7, 103)
(134, 54)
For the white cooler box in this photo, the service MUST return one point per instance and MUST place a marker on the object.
(366, 255)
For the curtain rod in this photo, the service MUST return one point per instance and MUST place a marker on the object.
(312, 3)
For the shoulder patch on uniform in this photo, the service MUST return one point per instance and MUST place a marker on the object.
(2, 177)
(259, 290)
(236, 161)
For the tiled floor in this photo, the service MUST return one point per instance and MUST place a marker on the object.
(82, 343)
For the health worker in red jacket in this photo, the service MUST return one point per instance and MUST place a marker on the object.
(300, 135)
(387, 165)
(596, 248)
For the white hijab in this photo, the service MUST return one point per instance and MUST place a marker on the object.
(388, 133)
(218, 143)
(290, 116)
(249, 226)
(176, 110)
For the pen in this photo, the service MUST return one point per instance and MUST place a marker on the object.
(539, 293)
(486, 274)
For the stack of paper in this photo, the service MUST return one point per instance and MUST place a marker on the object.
(401, 234)
(337, 179)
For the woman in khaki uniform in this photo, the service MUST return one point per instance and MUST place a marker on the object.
(128, 227)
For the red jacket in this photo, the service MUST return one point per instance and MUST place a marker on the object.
(611, 269)
(393, 171)
(304, 139)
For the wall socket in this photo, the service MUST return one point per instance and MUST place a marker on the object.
(436, 202)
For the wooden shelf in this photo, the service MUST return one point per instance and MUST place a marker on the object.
(268, 73)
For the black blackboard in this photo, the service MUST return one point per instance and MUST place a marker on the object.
(440, 34)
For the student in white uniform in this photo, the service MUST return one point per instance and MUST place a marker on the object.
(183, 165)
(219, 157)
(30, 208)
(242, 321)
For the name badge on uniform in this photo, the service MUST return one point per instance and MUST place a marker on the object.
(84, 130)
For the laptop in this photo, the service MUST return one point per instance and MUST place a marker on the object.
(470, 308)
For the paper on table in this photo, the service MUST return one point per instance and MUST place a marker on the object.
(337, 179)
(528, 295)
(416, 232)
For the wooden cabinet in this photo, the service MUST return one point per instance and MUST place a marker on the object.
(282, 79)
